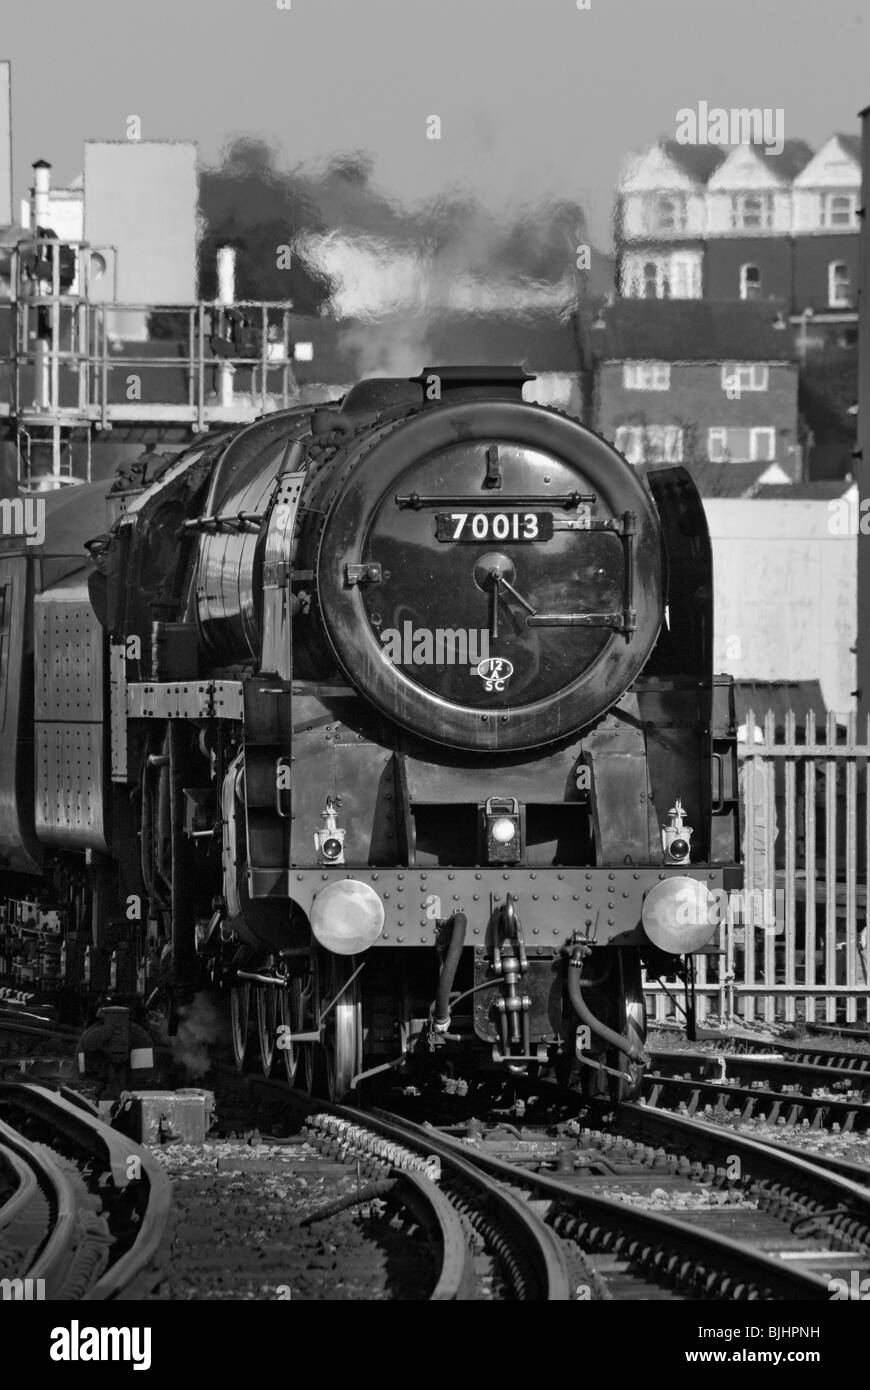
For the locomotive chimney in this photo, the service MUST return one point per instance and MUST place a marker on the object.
(40, 191)
(473, 382)
(226, 274)
(226, 293)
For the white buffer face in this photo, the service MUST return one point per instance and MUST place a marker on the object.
(680, 915)
(347, 917)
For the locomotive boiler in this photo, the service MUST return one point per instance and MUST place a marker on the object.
(395, 720)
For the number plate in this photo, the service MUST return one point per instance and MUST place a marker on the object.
(488, 528)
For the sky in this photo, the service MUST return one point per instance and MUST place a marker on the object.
(537, 98)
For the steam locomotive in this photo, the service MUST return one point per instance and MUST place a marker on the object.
(387, 719)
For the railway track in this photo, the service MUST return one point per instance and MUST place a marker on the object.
(649, 1205)
(636, 1217)
(83, 1210)
(737, 1084)
(854, 1170)
(599, 1194)
(800, 1054)
(775, 1065)
(463, 1236)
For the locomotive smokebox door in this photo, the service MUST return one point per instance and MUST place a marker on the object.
(504, 617)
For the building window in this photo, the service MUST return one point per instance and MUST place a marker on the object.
(741, 445)
(666, 277)
(717, 446)
(685, 277)
(738, 377)
(839, 210)
(750, 282)
(654, 283)
(751, 211)
(762, 444)
(669, 213)
(839, 286)
(650, 443)
(646, 376)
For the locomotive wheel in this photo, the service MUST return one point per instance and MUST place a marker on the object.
(267, 1025)
(341, 1049)
(240, 1016)
(290, 1016)
(633, 1025)
(301, 1015)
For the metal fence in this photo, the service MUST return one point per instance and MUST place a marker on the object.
(793, 946)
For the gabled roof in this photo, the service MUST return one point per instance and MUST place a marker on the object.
(813, 174)
(727, 479)
(668, 165)
(735, 480)
(850, 143)
(691, 330)
(794, 156)
(777, 170)
(698, 161)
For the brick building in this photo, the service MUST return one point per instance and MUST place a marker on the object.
(748, 223)
(703, 223)
(698, 383)
(697, 222)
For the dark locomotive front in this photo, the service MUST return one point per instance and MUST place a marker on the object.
(406, 699)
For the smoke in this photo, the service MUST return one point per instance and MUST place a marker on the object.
(322, 206)
(389, 272)
(202, 1025)
(386, 348)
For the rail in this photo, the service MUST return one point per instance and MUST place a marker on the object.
(66, 361)
(139, 1189)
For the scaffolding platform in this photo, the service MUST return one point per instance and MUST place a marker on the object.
(72, 364)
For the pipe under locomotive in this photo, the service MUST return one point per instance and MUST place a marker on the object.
(381, 717)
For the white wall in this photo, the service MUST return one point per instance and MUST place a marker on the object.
(141, 197)
(5, 144)
(785, 594)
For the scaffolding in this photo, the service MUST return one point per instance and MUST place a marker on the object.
(74, 361)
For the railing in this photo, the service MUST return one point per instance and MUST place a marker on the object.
(67, 361)
(794, 945)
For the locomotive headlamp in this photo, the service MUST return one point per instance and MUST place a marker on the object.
(347, 916)
(503, 829)
(680, 915)
(677, 836)
(329, 841)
